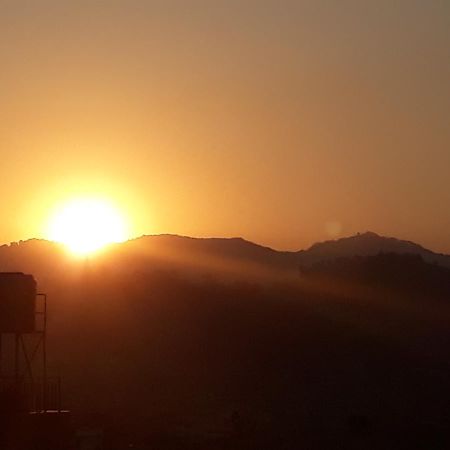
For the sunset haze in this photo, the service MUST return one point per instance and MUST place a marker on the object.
(285, 123)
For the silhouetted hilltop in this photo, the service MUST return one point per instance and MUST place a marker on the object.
(367, 244)
(212, 249)
(241, 250)
(36, 256)
(225, 257)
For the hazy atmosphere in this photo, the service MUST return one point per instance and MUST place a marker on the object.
(282, 122)
(225, 225)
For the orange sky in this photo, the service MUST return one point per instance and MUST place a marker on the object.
(282, 122)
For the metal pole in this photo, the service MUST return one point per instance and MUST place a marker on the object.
(59, 394)
(44, 356)
(16, 359)
(44, 352)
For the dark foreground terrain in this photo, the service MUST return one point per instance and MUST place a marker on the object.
(349, 354)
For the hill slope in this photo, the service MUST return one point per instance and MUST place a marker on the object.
(367, 244)
(235, 257)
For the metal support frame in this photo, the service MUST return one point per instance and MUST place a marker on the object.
(44, 352)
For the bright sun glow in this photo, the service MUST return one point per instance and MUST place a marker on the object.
(86, 225)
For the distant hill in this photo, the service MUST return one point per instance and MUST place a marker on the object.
(236, 249)
(235, 257)
(242, 252)
(367, 244)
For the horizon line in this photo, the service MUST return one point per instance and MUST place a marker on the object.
(175, 235)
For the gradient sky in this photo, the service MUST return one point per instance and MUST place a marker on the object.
(285, 122)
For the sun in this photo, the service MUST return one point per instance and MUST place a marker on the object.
(85, 225)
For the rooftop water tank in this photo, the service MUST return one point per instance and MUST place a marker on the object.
(17, 302)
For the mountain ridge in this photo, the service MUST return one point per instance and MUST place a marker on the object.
(368, 244)
(216, 253)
